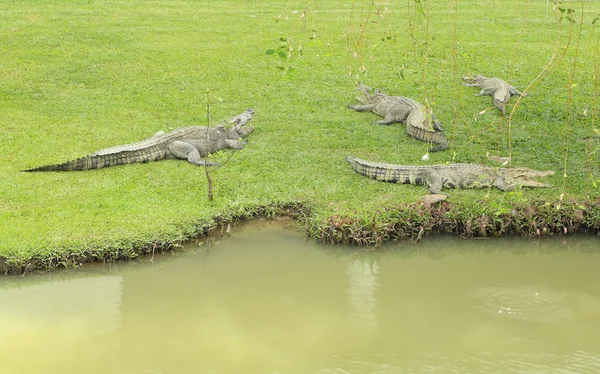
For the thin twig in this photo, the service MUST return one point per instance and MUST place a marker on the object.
(208, 178)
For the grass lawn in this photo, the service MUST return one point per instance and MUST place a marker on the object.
(80, 77)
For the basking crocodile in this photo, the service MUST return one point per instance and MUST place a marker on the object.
(495, 87)
(450, 176)
(420, 122)
(190, 143)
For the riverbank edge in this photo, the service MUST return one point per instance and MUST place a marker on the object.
(403, 221)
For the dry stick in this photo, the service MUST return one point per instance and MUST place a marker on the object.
(410, 27)
(348, 49)
(594, 112)
(362, 34)
(472, 138)
(301, 19)
(426, 50)
(455, 73)
(349, 26)
(510, 116)
(568, 122)
(424, 76)
(547, 70)
(438, 78)
(208, 178)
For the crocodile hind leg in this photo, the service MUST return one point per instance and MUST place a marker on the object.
(157, 134)
(188, 152)
(397, 114)
(514, 92)
(388, 119)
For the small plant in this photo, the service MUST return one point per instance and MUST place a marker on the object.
(564, 12)
(283, 54)
(283, 50)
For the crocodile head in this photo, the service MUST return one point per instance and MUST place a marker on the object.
(522, 177)
(474, 80)
(239, 129)
(370, 96)
(237, 132)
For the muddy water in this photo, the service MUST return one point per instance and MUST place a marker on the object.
(267, 300)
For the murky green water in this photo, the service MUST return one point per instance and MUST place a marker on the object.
(270, 301)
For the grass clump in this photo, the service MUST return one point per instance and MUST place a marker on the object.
(97, 74)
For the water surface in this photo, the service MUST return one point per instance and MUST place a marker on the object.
(267, 300)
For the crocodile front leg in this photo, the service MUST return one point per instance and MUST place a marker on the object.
(186, 151)
(235, 144)
(486, 91)
(434, 182)
(362, 108)
(501, 184)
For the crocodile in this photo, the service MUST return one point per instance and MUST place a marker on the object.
(441, 176)
(190, 143)
(500, 90)
(421, 123)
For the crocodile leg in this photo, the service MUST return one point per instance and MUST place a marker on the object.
(389, 119)
(188, 152)
(398, 114)
(434, 182)
(486, 91)
(235, 144)
(362, 108)
(500, 184)
(514, 92)
(157, 134)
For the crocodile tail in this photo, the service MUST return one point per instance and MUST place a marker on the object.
(385, 172)
(83, 163)
(365, 168)
(96, 161)
(436, 137)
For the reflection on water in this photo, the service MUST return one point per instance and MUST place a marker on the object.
(267, 300)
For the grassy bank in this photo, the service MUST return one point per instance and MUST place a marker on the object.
(78, 78)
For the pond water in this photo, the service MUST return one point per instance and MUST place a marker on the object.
(267, 300)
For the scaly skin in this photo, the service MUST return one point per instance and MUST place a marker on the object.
(437, 177)
(495, 87)
(188, 143)
(421, 123)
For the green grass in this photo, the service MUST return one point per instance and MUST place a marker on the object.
(94, 74)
